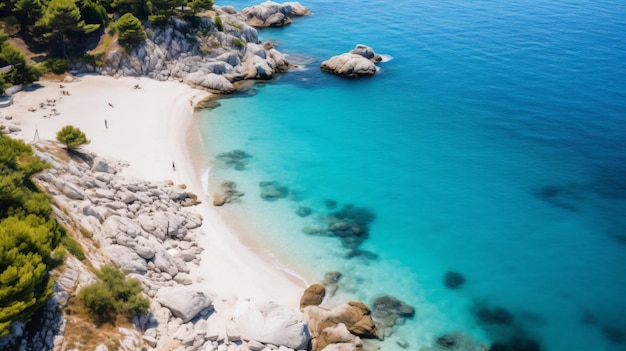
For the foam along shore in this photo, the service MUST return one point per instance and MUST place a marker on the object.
(146, 123)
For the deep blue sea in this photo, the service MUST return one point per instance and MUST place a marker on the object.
(491, 143)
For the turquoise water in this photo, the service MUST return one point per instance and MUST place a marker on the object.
(493, 143)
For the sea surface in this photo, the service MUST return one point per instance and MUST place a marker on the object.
(492, 143)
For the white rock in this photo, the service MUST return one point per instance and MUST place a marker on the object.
(271, 323)
(185, 302)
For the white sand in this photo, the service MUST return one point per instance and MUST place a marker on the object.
(148, 128)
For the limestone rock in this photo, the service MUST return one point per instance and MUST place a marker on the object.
(359, 62)
(270, 323)
(185, 302)
(211, 81)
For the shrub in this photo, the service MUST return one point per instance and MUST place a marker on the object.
(237, 43)
(73, 247)
(56, 66)
(130, 29)
(158, 20)
(218, 23)
(113, 295)
(72, 137)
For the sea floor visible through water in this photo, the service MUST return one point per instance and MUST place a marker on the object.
(492, 144)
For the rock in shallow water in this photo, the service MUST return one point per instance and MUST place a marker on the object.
(453, 280)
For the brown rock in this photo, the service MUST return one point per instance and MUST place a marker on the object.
(340, 325)
(313, 296)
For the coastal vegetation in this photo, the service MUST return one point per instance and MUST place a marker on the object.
(34, 33)
(72, 137)
(29, 237)
(113, 295)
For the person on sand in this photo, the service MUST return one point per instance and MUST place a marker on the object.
(106, 125)
(110, 104)
(173, 166)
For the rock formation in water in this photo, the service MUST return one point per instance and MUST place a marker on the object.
(359, 62)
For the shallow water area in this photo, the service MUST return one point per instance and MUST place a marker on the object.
(492, 144)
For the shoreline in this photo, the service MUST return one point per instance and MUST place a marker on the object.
(152, 128)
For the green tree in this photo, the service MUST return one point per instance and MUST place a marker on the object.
(28, 237)
(72, 137)
(130, 29)
(21, 73)
(27, 12)
(200, 5)
(138, 8)
(62, 17)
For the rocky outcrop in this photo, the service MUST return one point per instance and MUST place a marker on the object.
(272, 14)
(185, 302)
(359, 62)
(313, 296)
(144, 227)
(212, 60)
(339, 328)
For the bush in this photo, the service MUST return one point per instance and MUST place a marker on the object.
(113, 295)
(56, 66)
(237, 43)
(73, 247)
(218, 23)
(158, 20)
(130, 29)
(72, 137)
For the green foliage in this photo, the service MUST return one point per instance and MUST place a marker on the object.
(62, 17)
(92, 12)
(56, 66)
(158, 20)
(73, 247)
(237, 43)
(130, 29)
(72, 137)
(114, 294)
(28, 236)
(200, 5)
(22, 72)
(27, 12)
(138, 8)
(218, 23)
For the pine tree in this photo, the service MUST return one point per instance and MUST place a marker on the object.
(130, 29)
(62, 17)
(72, 137)
(199, 5)
(27, 12)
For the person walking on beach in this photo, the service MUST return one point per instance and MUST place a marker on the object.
(106, 125)
(173, 167)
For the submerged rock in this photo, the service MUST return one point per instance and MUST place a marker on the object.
(494, 315)
(389, 311)
(272, 191)
(236, 159)
(453, 280)
(228, 193)
(516, 344)
(303, 211)
(456, 341)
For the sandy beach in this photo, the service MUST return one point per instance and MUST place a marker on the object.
(146, 124)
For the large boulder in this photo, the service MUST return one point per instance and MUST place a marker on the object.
(185, 302)
(211, 81)
(270, 323)
(349, 65)
(328, 326)
(272, 14)
(359, 62)
(313, 296)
